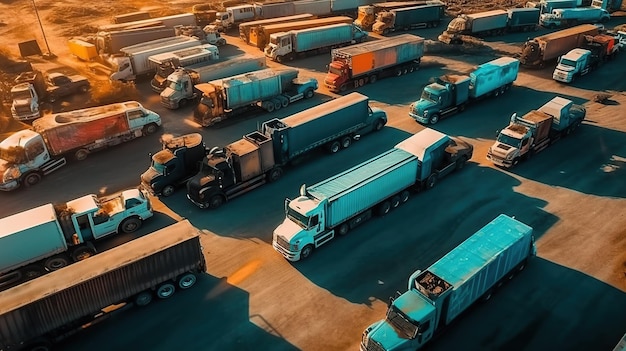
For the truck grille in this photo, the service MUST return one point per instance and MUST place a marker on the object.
(282, 242)
(371, 346)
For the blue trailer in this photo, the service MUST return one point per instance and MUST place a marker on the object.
(438, 295)
(423, 16)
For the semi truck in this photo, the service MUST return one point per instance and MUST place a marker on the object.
(537, 51)
(406, 18)
(440, 294)
(536, 130)
(134, 60)
(285, 46)
(494, 22)
(267, 89)
(182, 84)
(366, 14)
(246, 27)
(580, 61)
(181, 19)
(111, 42)
(364, 63)
(45, 310)
(452, 93)
(174, 164)
(338, 204)
(29, 154)
(167, 62)
(49, 237)
(569, 17)
(261, 156)
(260, 35)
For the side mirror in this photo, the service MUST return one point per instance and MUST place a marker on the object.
(497, 132)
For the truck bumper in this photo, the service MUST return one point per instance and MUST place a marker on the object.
(199, 204)
(289, 255)
(418, 118)
(147, 189)
(9, 186)
(500, 162)
(26, 117)
(561, 78)
(332, 88)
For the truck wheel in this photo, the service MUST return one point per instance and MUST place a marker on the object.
(398, 72)
(165, 290)
(434, 118)
(487, 295)
(32, 178)
(373, 79)
(81, 154)
(343, 229)
(216, 201)
(269, 106)
(343, 88)
(379, 125)
(275, 174)
(431, 181)
(496, 92)
(187, 281)
(309, 93)
(460, 163)
(383, 208)
(143, 298)
(405, 195)
(346, 142)
(395, 201)
(515, 162)
(284, 102)
(361, 82)
(306, 251)
(82, 253)
(168, 190)
(130, 225)
(334, 147)
(39, 345)
(277, 104)
(182, 103)
(150, 129)
(56, 262)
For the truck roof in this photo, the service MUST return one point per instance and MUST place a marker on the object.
(27, 219)
(555, 106)
(422, 141)
(183, 53)
(487, 14)
(19, 138)
(583, 28)
(83, 204)
(575, 54)
(83, 115)
(471, 255)
(107, 261)
(376, 45)
(325, 108)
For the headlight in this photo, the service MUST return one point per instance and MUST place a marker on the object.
(425, 113)
(509, 157)
(11, 174)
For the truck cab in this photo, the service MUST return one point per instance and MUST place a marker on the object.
(22, 156)
(575, 63)
(179, 88)
(28, 95)
(338, 74)
(178, 161)
(445, 96)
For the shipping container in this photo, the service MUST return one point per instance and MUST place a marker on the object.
(489, 20)
(112, 42)
(321, 37)
(550, 46)
(260, 36)
(56, 303)
(275, 9)
(246, 27)
(493, 75)
(315, 7)
(82, 49)
(520, 18)
(412, 16)
(254, 86)
(131, 17)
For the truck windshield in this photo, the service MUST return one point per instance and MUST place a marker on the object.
(401, 322)
(20, 94)
(334, 70)
(13, 155)
(566, 62)
(298, 218)
(159, 167)
(174, 85)
(509, 140)
(165, 70)
(428, 95)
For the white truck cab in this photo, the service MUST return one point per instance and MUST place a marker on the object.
(575, 63)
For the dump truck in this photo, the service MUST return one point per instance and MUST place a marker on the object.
(45, 310)
(494, 22)
(29, 154)
(261, 156)
(246, 27)
(134, 60)
(440, 294)
(338, 204)
(537, 51)
(32, 89)
(260, 35)
(424, 16)
(367, 14)
(182, 84)
(266, 89)
(357, 65)
(111, 42)
(580, 61)
(452, 93)
(536, 130)
(51, 236)
(285, 46)
(569, 17)
(174, 164)
(167, 62)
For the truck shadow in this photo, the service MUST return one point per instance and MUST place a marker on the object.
(212, 315)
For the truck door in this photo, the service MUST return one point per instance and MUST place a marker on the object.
(83, 226)
(136, 119)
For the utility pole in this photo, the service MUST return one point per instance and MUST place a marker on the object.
(49, 54)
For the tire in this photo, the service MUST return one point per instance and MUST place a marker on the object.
(284, 102)
(82, 253)
(431, 181)
(404, 196)
(343, 88)
(306, 251)
(343, 229)
(32, 178)
(373, 79)
(378, 125)
(411, 69)
(487, 295)
(346, 142)
(43, 345)
(398, 72)
(515, 162)
(496, 93)
(279, 59)
(269, 106)
(361, 82)
(521, 266)
(143, 298)
(275, 174)
(309, 93)
(81, 154)
(395, 201)
(183, 103)
(187, 280)
(165, 290)
(130, 225)
(334, 147)
(168, 190)
(277, 104)
(433, 119)
(383, 208)
(150, 129)
(405, 70)
(460, 163)
(216, 201)
(56, 262)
